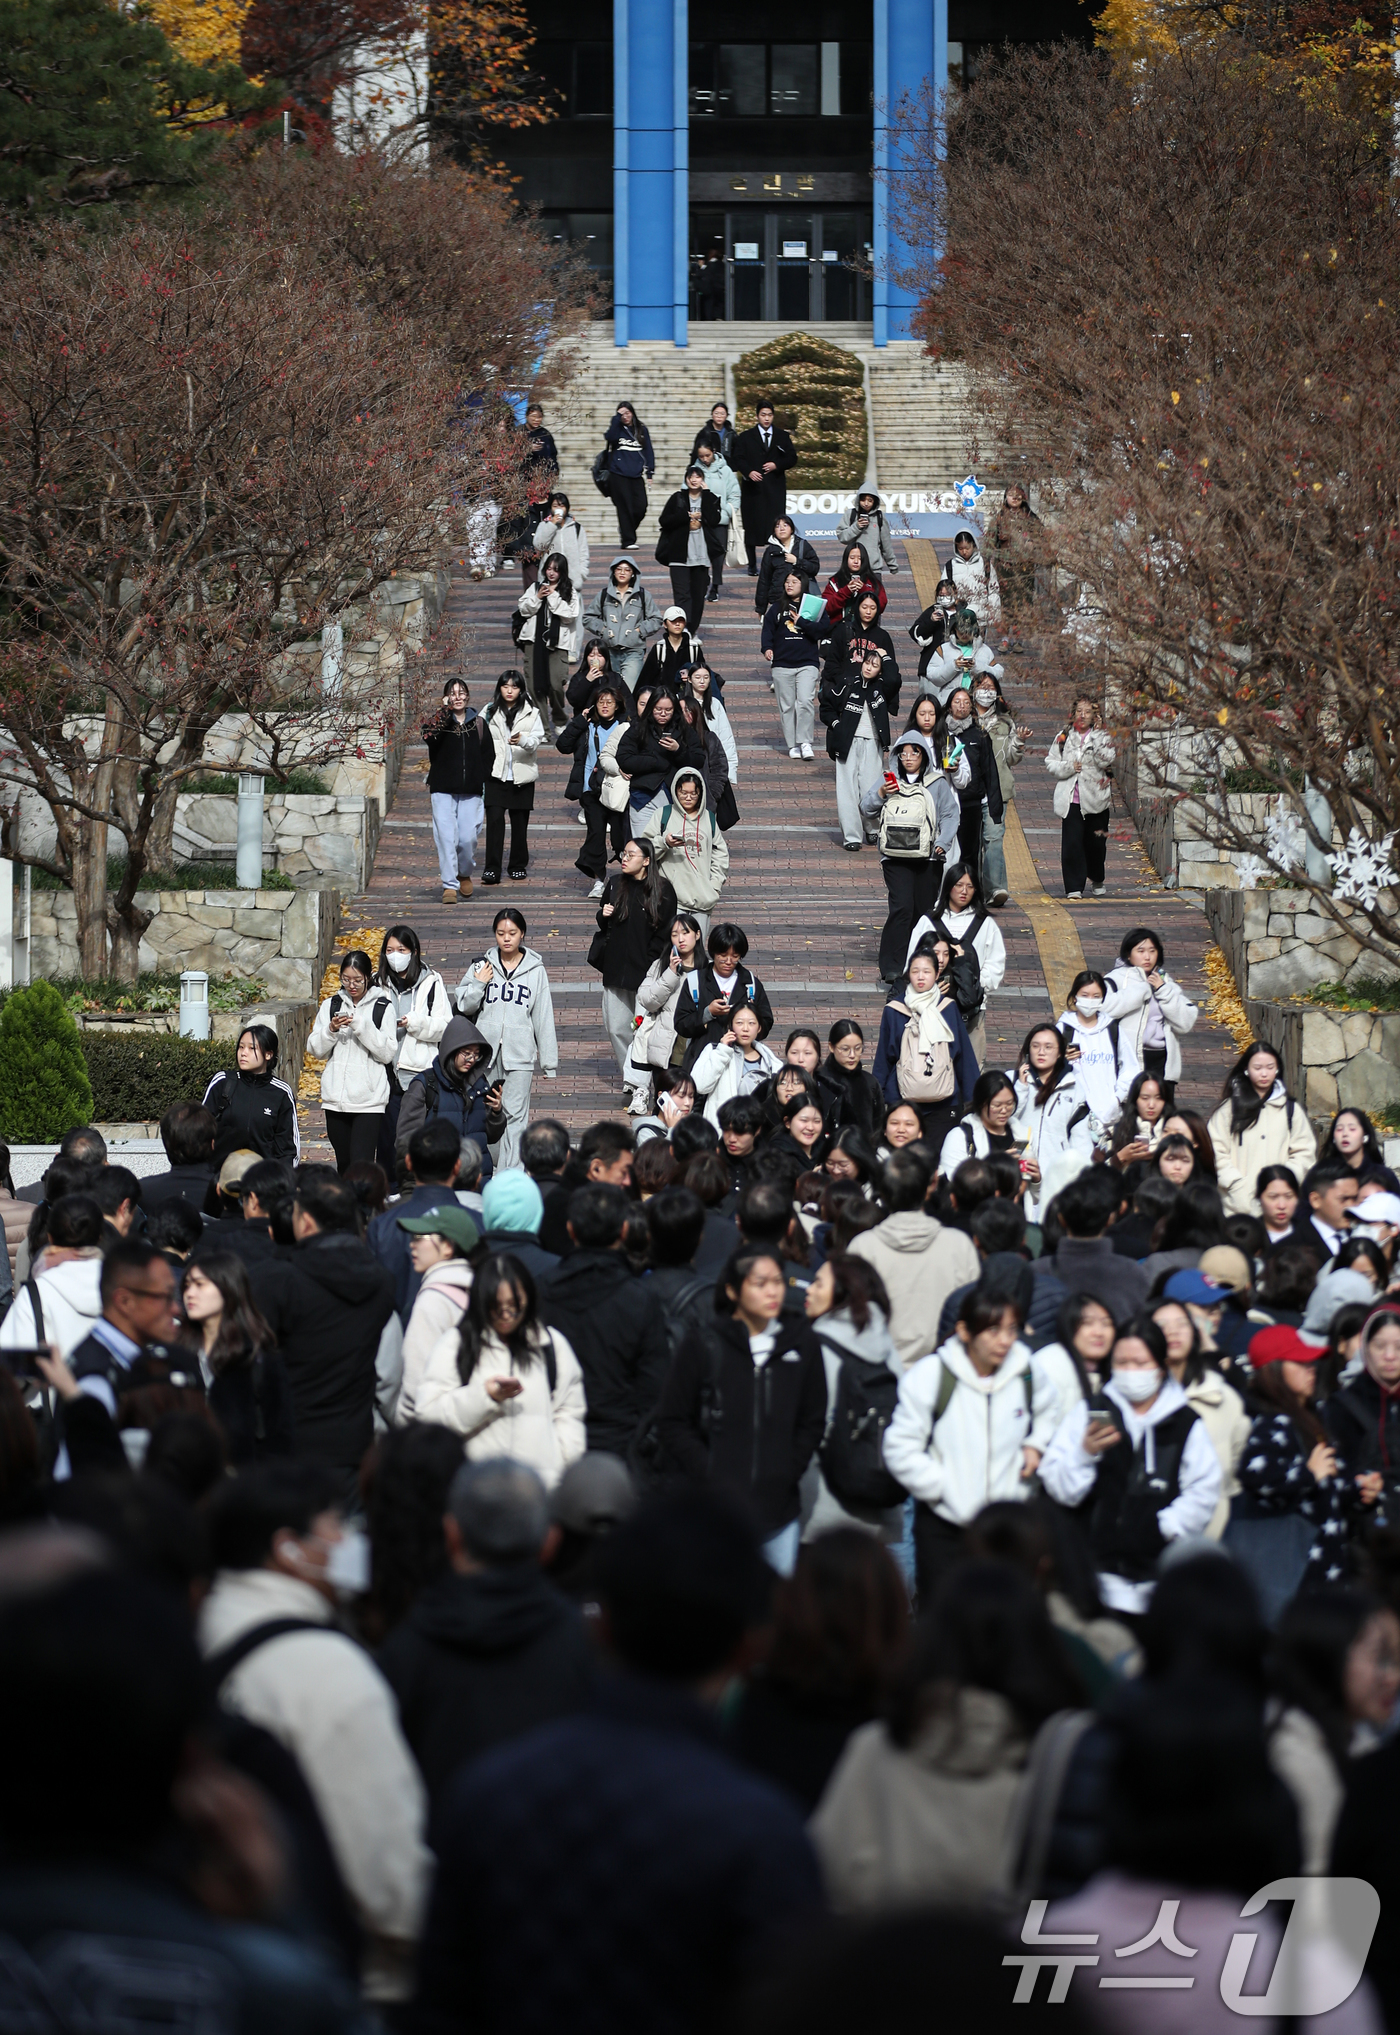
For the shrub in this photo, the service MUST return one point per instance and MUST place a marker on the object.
(136, 1077)
(225, 782)
(184, 876)
(819, 396)
(44, 1086)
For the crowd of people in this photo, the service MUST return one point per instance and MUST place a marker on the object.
(636, 1582)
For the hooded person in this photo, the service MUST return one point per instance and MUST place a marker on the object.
(507, 991)
(866, 524)
(961, 660)
(975, 579)
(512, 1209)
(691, 852)
(623, 615)
(455, 1089)
(917, 813)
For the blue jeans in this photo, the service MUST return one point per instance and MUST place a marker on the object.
(457, 821)
(993, 855)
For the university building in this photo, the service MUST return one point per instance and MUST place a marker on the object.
(717, 164)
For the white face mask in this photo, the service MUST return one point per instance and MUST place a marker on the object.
(985, 699)
(348, 1565)
(1088, 1006)
(398, 962)
(1138, 1386)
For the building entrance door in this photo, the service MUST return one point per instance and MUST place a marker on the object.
(789, 268)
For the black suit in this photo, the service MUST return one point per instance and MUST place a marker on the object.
(761, 502)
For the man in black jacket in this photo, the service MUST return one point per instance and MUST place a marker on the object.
(615, 1332)
(187, 1133)
(490, 1649)
(763, 458)
(339, 1301)
(692, 539)
(432, 1159)
(722, 985)
(456, 785)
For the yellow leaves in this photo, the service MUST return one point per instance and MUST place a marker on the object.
(1176, 397)
(1223, 716)
(204, 31)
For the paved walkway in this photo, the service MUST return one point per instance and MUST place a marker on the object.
(812, 912)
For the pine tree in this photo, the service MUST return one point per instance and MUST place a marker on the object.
(44, 1086)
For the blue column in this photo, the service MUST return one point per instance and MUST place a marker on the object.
(911, 46)
(651, 158)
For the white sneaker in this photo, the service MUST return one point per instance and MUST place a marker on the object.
(1103, 890)
(597, 890)
(1074, 893)
(640, 1103)
(999, 898)
(582, 818)
(806, 752)
(796, 755)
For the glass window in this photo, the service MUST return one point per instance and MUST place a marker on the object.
(593, 80)
(795, 78)
(702, 80)
(856, 83)
(831, 78)
(740, 80)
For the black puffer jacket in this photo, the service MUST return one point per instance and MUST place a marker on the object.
(641, 757)
(253, 1113)
(339, 1299)
(456, 762)
(631, 944)
(749, 1430)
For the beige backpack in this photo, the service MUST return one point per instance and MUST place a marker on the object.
(906, 831)
(924, 1073)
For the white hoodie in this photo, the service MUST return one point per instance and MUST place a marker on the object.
(353, 1080)
(1051, 1132)
(69, 1297)
(718, 1069)
(1069, 1473)
(427, 1007)
(1104, 1078)
(972, 1455)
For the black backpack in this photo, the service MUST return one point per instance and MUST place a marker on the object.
(852, 1451)
(965, 975)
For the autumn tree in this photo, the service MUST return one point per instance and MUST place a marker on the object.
(1174, 295)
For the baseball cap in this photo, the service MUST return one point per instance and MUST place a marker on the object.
(234, 1167)
(1194, 1290)
(1225, 1266)
(666, 613)
(1281, 1345)
(450, 1221)
(593, 1494)
(1378, 1208)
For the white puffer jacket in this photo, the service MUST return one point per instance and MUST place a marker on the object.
(657, 996)
(970, 1456)
(570, 540)
(567, 611)
(354, 1079)
(543, 1429)
(427, 1008)
(1086, 758)
(717, 1070)
(514, 762)
(1130, 998)
(1049, 1132)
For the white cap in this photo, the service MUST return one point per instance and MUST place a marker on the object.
(1378, 1208)
(666, 613)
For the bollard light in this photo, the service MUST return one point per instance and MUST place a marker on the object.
(194, 1003)
(248, 868)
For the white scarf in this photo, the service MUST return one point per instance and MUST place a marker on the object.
(924, 1006)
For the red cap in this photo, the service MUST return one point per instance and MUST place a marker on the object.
(1281, 1345)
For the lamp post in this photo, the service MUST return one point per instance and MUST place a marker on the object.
(194, 1003)
(250, 832)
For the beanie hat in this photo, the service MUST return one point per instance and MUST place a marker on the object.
(1333, 1290)
(512, 1201)
(1280, 1345)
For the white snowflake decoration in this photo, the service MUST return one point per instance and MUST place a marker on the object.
(1252, 872)
(1363, 869)
(1285, 840)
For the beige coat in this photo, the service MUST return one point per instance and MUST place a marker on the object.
(1299, 1755)
(438, 1308)
(898, 1828)
(17, 1216)
(1221, 1412)
(1085, 758)
(921, 1263)
(536, 1428)
(1272, 1140)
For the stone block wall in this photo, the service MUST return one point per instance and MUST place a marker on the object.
(284, 937)
(306, 836)
(1279, 946)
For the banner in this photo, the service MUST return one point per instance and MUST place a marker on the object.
(935, 513)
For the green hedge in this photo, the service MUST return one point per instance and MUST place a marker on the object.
(136, 1077)
(43, 1090)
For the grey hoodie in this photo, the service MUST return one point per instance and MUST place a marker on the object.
(622, 621)
(515, 1013)
(697, 868)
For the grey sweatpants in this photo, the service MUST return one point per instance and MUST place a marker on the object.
(515, 1100)
(797, 702)
(618, 1006)
(862, 768)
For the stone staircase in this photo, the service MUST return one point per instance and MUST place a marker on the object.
(921, 434)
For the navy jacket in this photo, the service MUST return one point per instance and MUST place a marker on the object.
(611, 1871)
(892, 1029)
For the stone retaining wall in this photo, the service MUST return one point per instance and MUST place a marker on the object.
(284, 937)
(292, 1022)
(306, 836)
(1277, 946)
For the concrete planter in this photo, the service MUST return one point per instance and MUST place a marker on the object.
(292, 1022)
(313, 838)
(284, 937)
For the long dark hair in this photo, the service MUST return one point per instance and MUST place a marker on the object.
(626, 403)
(7, 1185)
(953, 876)
(561, 581)
(1200, 1138)
(243, 1332)
(1195, 1221)
(1125, 1130)
(648, 884)
(1315, 1635)
(497, 705)
(1246, 1104)
(384, 974)
(524, 1342)
(857, 1287)
(1271, 1392)
(595, 643)
(1371, 1153)
(843, 575)
(841, 1622)
(1045, 1087)
(988, 1629)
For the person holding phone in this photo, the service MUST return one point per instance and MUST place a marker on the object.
(1080, 760)
(561, 533)
(506, 991)
(356, 1034)
(703, 1014)
(454, 1090)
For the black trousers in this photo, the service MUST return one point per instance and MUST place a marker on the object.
(970, 836)
(938, 1547)
(496, 838)
(388, 1130)
(717, 568)
(604, 825)
(1083, 847)
(629, 498)
(352, 1137)
(1154, 1062)
(913, 891)
(689, 586)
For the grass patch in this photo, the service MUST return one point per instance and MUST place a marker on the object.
(297, 783)
(156, 989)
(1370, 992)
(185, 876)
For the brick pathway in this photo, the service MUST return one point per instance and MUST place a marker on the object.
(812, 912)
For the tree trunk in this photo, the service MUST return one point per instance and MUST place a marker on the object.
(126, 927)
(160, 839)
(90, 897)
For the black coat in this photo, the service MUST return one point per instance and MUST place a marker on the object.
(631, 944)
(725, 434)
(773, 569)
(843, 698)
(761, 502)
(339, 1299)
(456, 761)
(860, 1100)
(541, 463)
(693, 1020)
(572, 740)
(749, 1431)
(255, 1112)
(254, 1404)
(674, 541)
(618, 1336)
(984, 779)
(650, 768)
(928, 633)
(1364, 1424)
(191, 1184)
(480, 1659)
